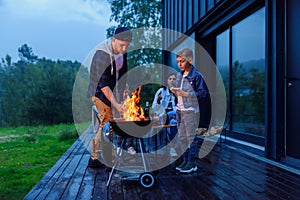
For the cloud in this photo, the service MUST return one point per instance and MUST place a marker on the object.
(53, 28)
(60, 10)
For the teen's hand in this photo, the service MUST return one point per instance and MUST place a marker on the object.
(180, 92)
(174, 89)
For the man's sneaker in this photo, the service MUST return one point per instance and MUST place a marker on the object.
(181, 165)
(188, 168)
(173, 152)
(131, 150)
(95, 163)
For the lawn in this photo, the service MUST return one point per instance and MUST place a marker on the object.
(27, 153)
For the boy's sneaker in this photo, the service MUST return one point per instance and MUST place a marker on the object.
(131, 151)
(181, 165)
(188, 168)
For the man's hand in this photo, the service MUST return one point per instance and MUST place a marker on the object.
(120, 108)
(109, 95)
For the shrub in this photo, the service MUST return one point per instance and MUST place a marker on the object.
(67, 135)
(29, 138)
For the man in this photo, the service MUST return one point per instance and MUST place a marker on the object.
(107, 82)
(190, 90)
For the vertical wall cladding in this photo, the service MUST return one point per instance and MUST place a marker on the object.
(205, 21)
(181, 15)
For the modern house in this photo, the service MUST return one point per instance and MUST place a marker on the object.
(254, 45)
(246, 50)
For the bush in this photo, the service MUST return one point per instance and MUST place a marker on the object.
(68, 134)
(29, 138)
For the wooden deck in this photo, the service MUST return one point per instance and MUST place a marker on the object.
(226, 173)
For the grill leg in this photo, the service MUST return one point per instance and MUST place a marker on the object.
(142, 153)
(117, 162)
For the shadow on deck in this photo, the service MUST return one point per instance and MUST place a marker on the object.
(226, 173)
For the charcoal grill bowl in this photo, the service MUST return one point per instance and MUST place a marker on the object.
(136, 129)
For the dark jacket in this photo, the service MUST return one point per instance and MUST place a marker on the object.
(195, 85)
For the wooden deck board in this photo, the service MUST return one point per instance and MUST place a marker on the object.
(225, 173)
(41, 186)
(76, 180)
(100, 191)
(87, 185)
(63, 181)
(55, 186)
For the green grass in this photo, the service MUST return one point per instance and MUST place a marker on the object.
(27, 153)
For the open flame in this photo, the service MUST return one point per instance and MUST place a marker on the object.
(133, 112)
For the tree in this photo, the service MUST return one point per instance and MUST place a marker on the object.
(145, 19)
(257, 86)
(51, 101)
(6, 62)
(36, 91)
(248, 96)
(26, 54)
(135, 14)
(240, 87)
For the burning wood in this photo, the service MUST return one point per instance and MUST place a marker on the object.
(133, 112)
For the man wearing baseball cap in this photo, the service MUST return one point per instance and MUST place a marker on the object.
(107, 82)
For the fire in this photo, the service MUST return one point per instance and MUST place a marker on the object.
(133, 112)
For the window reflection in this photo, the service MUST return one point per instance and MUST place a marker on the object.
(248, 71)
(222, 61)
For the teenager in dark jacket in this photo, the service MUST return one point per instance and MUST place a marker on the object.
(190, 90)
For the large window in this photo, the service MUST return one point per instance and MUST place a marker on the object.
(222, 61)
(247, 70)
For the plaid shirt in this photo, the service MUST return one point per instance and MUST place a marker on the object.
(102, 74)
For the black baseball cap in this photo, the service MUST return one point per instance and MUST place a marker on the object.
(123, 33)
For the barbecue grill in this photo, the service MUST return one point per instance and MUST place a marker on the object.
(138, 130)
